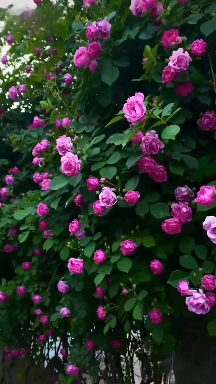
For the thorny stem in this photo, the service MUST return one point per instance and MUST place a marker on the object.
(213, 75)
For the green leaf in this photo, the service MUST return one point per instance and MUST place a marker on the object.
(159, 210)
(208, 266)
(212, 328)
(54, 204)
(148, 241)
(130, 304)
(124, 264)
(208, 27)
(113, 289)
(142, 295)
(108, 172)
(167, 110)
(152, 197)
(142, 208)
(114, 120)
(114, 158)
(116, 139)
(132, 183)
(170, 132)
(137, 312)
(157, 334)
(23, 236)
(188, 261)
(64, 253)
(98, 165)
(127, 327)
(132, 159)
(20, 214)
(187, 244)
(59, 182)
(89, 249)
(190, 161)
(109, 72)
(99, 278)
(177, 276)
(48, 244)
(201, 252)
(176, 168)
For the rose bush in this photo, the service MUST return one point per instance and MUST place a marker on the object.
(108, 167)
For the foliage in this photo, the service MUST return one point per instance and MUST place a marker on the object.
(138, 302)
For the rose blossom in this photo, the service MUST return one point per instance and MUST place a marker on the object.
(80, 235)
(82, 57)
(93, 184)
(89, 3)
(64, 144)
(68, 79)
(141, 7)
(103, 29)
(94, 49)
(158, 174)
(93, 65)
(37, 299)
(62, 287)
(206, 195)
(198, 47)
(70, 165)
(146, 164)
(132, 197)
(211, 298)
(198, 303)
(43, 225)
(91, 345)
(156, 267)
(179, 60)
(64, 353)
(13, 93)
(184, 89)
(44, 320)
(170, 38)
(98, 209)
(76, 266)
(157, 10)
(38, 312)
(8, 248)
(99, 256)
(208, 121)
(74, 227)
(50, 332)
(46, 184)
(172, 226)
(14, 171)
(101, 312)
(42, 209)
(155, 316)
(26, 265)
(99, 292)
(72, 370)
(48, 234)
(3, 297)
(181, 211)
(168, 75)
(183, 288)
(42, 339)
(66, 122)
(9, 180)
(209, 282)
(65, 312)
(209, 222)
(184, 194)
(21, 290)
(137, 139)
(151, 145)
(134, 109)
(116, 344)
(107, 197)
(128, 247)
(79, 200)
(91, 32)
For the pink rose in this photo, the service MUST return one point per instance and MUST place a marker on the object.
(76, 266)
(172, 226)
(128, 247)
(146, 164)
(198, 303)
(103, 29)
(209, 222)
(82, 57)
(208, 121)
(211, 298)
(64, 144)
(91, 345)
(98, 209)
(46, 184)
(79, 200)
(66, 122)
(68, 79)
(158, 174)
(179, 60)
(70, 164)
(132, 197)
(65, 312)
(93, 184)
(209, 282)
(94, 49)
(42, 209)
(138, 138)
(206, 195)
(198, 47)
(74, 227)
(99, 292)
(184, 89)
(184, 194)
(93, 65)
(155, 316)
(107, 197)
(8, 248)
(89, 3)
(168, 75)
(183, 288)
(181, 211)
(151, 145)
(101, 312)
(170, 38)
(140, 7)
(134, 109)
(14, 171)
(72, 370)
(156, 267)
(99, 256)
(9, 180)
(13, 93)
(91, 32)
(157, 10)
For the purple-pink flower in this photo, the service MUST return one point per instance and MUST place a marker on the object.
(134, 109)
(128, 247)
(151, 144)
(64, 144)
(181, 211)
(107, 197)
(76, 266)
(179, 60)
(206, 195)
(70, 165)
(208, 121)
(198, 303)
